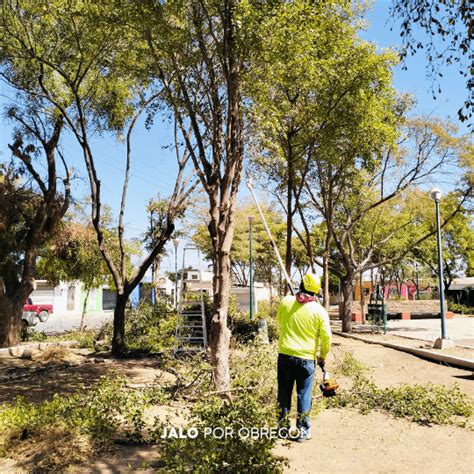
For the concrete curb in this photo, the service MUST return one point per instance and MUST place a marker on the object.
(17, 351)
(408, 338)
(467, 364)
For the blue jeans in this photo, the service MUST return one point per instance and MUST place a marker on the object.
(290, 370)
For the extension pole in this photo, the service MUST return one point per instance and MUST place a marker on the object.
(275, 248)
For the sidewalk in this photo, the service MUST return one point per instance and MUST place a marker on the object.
(459, 329)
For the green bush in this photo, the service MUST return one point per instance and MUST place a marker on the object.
(251, 365)
(214, 450)
(99, 412)
(460, 308)
(267, 311)
(33, 335)
(251, 404)
(148, 328)
(245, 330)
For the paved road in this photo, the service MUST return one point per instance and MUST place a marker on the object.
(58, 323)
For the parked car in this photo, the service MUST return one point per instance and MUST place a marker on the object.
(42, 311)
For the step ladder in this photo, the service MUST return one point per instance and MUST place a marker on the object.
(191, 334)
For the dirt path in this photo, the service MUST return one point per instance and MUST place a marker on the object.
(346, 441)
(391, 367)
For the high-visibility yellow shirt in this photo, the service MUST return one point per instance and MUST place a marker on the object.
(304, 328)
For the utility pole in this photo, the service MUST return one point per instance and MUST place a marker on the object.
(251, 269)
(153, 264)
(176, 244)
(417, 282)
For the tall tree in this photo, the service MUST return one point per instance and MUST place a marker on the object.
(33, 203)
(289, 70)
(457, 240)
(82, 59)
(372, 219)
(72, 254)
(263, 254)
(198, 55)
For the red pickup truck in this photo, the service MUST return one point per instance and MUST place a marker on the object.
(41, 310)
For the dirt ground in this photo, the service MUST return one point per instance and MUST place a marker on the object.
(343, 440)
(389, 367)
(86, 370)
(347, 441)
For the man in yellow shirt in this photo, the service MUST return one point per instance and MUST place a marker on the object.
(304, 329)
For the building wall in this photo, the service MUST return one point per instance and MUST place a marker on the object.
(399, 306)
(261, 293)
(67, 297)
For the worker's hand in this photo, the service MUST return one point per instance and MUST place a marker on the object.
(321, 363)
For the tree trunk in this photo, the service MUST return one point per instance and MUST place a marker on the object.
(84, 310)
(326, 280)
(11, 310)
(270, 289)
(347, 292)
(220, 333)
(118, 340)
(362, 297)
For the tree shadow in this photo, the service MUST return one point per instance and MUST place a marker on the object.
(37, 383)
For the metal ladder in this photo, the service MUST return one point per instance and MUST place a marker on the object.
(191, 334)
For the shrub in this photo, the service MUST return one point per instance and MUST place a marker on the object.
(31, 334)
(98, 412)
(245, 330)
(460, 308)
(251, 404)
(424, 404)
(267, 311)
(250, 369)
(105, 412)
(221, 451)
(148, 328)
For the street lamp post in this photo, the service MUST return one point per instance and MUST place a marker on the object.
(153, 265)
(251, 268)
(176, 244)
(417, 282)
(435, 194)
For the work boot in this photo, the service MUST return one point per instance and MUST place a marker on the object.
(304, 435)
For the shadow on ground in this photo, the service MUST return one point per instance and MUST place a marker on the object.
(38, 386)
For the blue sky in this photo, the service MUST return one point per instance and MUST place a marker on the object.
(153, 166)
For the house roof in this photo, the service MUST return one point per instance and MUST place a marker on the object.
(461, 283)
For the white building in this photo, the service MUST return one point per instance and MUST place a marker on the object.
(68, 297)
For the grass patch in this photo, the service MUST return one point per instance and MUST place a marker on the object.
(85, 423)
